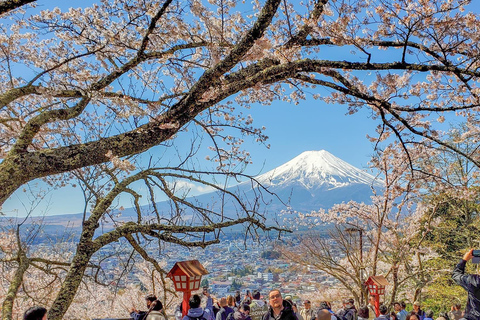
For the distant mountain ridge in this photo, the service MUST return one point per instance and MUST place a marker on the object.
(309, 182)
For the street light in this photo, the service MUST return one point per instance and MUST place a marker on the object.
(360, 232)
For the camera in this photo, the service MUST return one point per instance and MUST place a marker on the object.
(476, 253)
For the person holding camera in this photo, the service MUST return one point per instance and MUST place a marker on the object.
(471, 283)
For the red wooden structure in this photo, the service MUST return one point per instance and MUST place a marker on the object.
(376, 287)
(186, 276)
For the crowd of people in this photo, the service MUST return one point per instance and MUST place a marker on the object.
(252, 307)
(278, 307)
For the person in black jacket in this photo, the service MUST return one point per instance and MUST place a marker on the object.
(471, 283)
(141, 315)
(279, 309)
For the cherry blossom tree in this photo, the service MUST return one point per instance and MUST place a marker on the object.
(187, 222)
(385, 237)
(73, 80)
(96, 85)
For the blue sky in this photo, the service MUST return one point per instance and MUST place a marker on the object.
(292, 129)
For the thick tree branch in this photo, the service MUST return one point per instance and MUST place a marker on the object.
(9, 5)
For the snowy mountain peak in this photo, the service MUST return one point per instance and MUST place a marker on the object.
(316, 170)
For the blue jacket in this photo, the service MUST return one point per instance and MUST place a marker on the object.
(199, 312)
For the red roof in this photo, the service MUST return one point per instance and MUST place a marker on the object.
(190, 268)
(378, 280)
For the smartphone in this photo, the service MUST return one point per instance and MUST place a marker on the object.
(476, 256)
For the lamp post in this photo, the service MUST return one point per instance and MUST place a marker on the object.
(360, 244)
(186, 277)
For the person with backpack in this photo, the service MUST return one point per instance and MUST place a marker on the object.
(348, 312)
(140, 315)
(225, 309)
(196, 312)
(155, 311)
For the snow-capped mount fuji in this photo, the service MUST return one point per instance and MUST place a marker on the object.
(318, 179)
(316, 170)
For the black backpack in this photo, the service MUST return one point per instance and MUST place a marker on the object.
(341, 315)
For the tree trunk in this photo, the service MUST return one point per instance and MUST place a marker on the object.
(7, 306)
(395, 283)
(85, 250)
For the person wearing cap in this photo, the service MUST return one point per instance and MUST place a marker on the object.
(307, 312)
(348, 311)
(419, 312)
(471, 283)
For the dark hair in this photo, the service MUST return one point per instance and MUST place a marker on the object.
(230, 301)
(194, 301)
(411, 314)
(151, 297)
(383, 309)
(351, 301)
(245, 307)
(363, 312)
(394, 315)
(34, 313)
(256, 295)
(156, 305)
(403, 304)
(324, 305)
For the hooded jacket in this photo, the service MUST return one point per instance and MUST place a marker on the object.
(201, 313)
(471, 283)
(286, 313)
